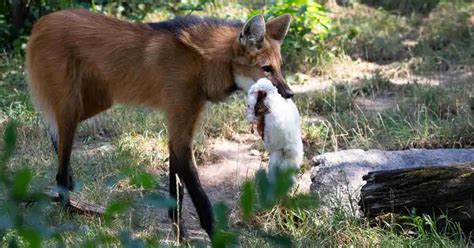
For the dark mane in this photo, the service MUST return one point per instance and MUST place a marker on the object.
(183, 22)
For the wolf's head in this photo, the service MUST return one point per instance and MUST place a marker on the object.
(257, 53)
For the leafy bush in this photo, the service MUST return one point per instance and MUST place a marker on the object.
(303, 48)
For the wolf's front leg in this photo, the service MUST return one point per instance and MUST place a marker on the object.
(181, 123)
(184, 162)
(176, 193)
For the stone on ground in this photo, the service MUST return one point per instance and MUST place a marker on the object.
(337, 176)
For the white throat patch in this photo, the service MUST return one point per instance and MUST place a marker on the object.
(244, 83)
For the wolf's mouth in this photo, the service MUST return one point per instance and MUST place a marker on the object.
(285, 91)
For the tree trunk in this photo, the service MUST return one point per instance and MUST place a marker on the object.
(437, 190)
(18, 11)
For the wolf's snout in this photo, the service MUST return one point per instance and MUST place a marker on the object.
(285, 91)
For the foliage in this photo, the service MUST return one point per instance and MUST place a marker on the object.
(303, 48)
(259, 196)
(29, 222)
(28, 226)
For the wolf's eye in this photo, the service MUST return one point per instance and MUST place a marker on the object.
(267, 68)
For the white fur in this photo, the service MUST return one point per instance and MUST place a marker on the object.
(244, 82)
(52, 127)
(282, 133)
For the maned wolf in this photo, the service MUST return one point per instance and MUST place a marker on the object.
(81, 63)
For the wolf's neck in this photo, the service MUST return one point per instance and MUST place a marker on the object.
(214, 44)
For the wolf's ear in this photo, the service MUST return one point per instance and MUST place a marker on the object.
(278, 27)
(253, 33)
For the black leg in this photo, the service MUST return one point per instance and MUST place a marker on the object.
(187, 171)
(64, 177)
(175, 213)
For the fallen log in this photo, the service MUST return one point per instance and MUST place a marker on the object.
(75, 205)
(447, 190)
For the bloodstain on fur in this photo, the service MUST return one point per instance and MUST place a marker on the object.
(260, 111)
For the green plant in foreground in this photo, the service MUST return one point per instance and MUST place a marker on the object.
(28, 224)
(257, 196)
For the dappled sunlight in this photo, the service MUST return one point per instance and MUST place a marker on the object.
(151, 150)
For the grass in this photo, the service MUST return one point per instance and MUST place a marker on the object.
(440, 40)
(369, 112)
(419, 116)
(340, 229)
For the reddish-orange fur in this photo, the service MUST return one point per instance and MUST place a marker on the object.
(81, 63)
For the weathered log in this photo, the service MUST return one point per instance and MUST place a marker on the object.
(75, 205)
(447, 190)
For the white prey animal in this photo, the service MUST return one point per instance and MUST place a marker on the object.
(278, 122)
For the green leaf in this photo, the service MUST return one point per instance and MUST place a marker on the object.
(247, 199)
(223, 239)
(32, 236)
(144, 180)
(301, 201)
(263, 188)
(353, 32)
(283, 182)
(13, 243)
(160, 201)
(9, 139)
(139, 178)
(20, 184)
(115, 208)
(222, 215)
